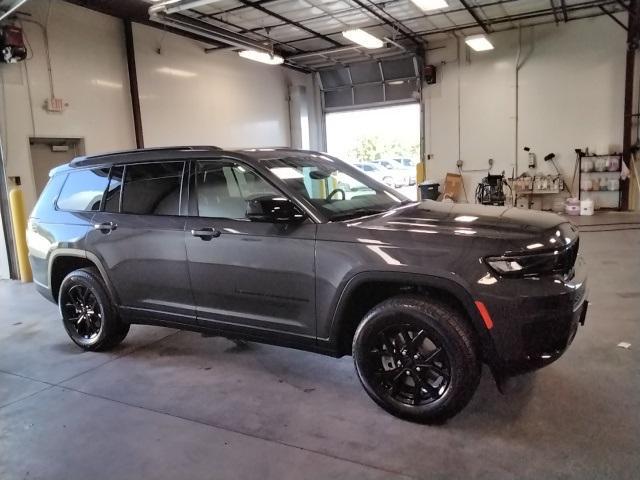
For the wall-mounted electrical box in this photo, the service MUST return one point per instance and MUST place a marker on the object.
(429, 73)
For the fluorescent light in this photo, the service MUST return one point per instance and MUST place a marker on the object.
(176, 72)
(262, 57)
(479, 43)
(105, 83)
(359, 36)
(427, 5)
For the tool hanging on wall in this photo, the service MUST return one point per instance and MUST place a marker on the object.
(532, 158)
(550, 157)
(579, 155)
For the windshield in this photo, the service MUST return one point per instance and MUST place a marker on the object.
(337, 189)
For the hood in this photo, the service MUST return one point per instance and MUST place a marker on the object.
(463, 219)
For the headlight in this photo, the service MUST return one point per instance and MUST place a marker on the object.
(534, 264)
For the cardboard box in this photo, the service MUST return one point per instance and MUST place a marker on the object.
(452, 187)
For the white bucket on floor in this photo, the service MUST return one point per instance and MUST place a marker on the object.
(586, 207)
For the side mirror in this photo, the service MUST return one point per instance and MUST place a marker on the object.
(273, 210)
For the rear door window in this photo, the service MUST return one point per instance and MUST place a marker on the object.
(83, 190)
(149, 189)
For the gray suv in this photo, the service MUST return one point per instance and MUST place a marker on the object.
(267, 245)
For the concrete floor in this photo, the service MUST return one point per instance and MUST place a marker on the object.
(170, 405)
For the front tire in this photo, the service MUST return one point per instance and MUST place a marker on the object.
(417, 359)
(88, 314)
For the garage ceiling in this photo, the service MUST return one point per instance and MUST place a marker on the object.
(308, 33)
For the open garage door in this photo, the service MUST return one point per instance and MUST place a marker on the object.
(373, 118)
(369, 84)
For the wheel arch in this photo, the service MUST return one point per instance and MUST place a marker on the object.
(365, 290)
(65, 260)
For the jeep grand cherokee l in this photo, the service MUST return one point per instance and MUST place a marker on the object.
(274, 246)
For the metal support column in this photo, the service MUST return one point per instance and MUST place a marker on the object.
(133, 84)
(633, 36)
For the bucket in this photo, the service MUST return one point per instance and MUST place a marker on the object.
(429, 190)
(586, 207)
(572, 206)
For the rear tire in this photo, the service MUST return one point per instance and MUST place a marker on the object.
(417, 359)
(88, 314)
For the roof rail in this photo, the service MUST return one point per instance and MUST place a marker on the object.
(82, 160)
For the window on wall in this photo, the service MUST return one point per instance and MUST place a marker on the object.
(147, 189)
(83, 190)
(224, 188)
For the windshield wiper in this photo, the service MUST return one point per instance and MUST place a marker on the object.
(360, 212)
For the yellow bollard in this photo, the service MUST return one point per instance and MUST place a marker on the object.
(421, 172)
(19, 221)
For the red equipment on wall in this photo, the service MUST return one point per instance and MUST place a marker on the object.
(12, 47)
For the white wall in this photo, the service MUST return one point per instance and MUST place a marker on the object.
(89, 70)
(187, 96)
(570, 95)
(190, 97)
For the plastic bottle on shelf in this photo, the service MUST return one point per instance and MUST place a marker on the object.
(604, 185)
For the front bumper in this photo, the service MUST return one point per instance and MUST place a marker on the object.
(535, 319)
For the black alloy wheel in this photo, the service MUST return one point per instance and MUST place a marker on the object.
(417, 358)
(408, 365)
(89, 315)
(81, 312)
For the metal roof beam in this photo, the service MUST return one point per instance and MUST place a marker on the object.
(555, 13)
(565, 15)
(271, 13)
(612, 16)
(476, 17)
(407, 33)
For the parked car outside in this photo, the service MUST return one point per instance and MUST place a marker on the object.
(265, 245)
(392, 178)
(407, 162)
(408, 172)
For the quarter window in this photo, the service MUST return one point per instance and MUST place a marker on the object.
(83, 190)
(224, 188)
(149, 189)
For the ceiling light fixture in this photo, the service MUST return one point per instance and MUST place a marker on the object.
(359, 36)
(426, 5)
(175, 6)
(479, 43)
(262, 57)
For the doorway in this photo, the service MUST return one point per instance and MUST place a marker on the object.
(48, 153)
(385, 139)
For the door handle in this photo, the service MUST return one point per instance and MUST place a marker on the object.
(206, 233)
(106, 227)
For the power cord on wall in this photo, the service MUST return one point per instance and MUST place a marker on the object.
(27, 78)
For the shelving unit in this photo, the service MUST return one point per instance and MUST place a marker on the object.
(531, 191)
(601, 198)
